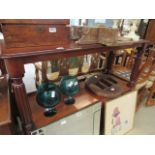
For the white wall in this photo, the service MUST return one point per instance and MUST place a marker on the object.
(1, 36)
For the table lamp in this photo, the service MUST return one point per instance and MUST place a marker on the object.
(48, 96)
(69, 85)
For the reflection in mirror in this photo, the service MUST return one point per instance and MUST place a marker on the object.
(124, 25)
(53, 70)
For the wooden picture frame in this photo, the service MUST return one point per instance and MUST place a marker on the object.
(119, 114)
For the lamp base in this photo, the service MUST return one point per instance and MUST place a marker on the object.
(50, 112)
(69, 100)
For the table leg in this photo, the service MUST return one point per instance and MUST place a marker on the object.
(110, 61)
(23, 104)
(136, 65)
(15, 69)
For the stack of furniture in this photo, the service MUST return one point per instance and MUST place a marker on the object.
(151, 87)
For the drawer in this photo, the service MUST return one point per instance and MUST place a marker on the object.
(30, 35)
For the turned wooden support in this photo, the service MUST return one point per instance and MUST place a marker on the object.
(110, 61)
(16, 71)
(22, 104)
(136, 65)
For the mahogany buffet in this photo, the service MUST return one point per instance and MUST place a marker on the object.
(29, 41)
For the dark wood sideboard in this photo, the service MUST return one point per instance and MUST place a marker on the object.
(15, 58)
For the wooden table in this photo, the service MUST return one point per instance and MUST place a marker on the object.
(15, 58)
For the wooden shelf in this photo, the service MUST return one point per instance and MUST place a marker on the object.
(70, 48)
(83, 100)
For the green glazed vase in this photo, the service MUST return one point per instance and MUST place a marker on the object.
(69, 85)
(48, 96)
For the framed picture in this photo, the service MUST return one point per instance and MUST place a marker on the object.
(119, 114)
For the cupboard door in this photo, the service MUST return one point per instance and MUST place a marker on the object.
(35, 35)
